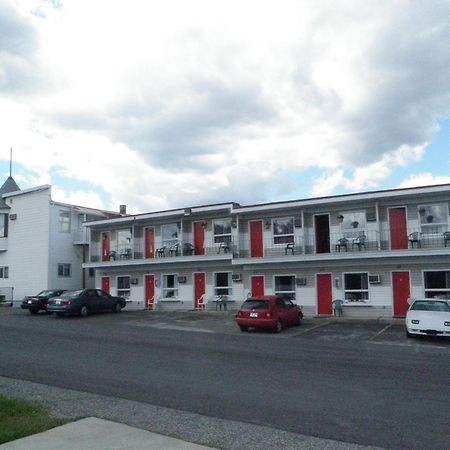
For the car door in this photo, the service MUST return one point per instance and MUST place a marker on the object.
(105, 300)
(92, 300)
(282, 311)
(291, 311)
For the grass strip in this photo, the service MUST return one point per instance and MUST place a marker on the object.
(19, 418)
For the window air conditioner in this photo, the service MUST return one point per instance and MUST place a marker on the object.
(236, 277)
(182, 280)
(375, 279)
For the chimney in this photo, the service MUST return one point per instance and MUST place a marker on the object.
(123, 210)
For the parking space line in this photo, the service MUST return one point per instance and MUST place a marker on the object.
(381, 332)
(312, 328)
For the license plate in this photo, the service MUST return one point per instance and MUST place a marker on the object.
(253, 314)
(30, 302)
(58, 302)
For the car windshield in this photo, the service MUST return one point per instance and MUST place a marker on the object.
(255, 304)
(44, 293)
(430, 305)
(71, 294)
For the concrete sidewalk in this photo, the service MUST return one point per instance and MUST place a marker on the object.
(99, 434)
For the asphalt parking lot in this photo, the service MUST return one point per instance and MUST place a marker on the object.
(327, 330)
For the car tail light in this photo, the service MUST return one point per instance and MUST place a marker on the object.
(239, 313)
(268, 315)
(66, 302)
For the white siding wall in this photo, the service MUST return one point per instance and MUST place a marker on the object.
(28, 237)
(62, 250)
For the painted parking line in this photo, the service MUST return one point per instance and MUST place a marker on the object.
(380, 332)
(312, 328)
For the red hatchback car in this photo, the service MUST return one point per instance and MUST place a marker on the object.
(268, 311)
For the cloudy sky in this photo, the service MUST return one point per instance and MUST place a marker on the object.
(164, 104)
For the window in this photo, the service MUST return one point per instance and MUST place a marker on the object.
(170, 286)
(356, 287)
(170, 234)
(285, 285)
(123, 286)
(3, 225)
(437, 284)
(124, 241)
(4, 272)
(283, 230)
(91, 272)
(352, 220)
(433, 218)
(222, 231)
(430, 305)
(64, 221)
(222, 283)
(64, 270)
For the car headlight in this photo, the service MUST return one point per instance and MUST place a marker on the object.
(415, 321)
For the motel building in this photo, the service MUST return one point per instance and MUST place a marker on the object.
(373, 250)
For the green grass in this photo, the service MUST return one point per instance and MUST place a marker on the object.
(19, 418)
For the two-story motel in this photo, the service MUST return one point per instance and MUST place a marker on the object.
(373, 250)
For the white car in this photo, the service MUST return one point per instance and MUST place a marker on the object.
(429, 316)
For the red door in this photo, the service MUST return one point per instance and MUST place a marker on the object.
(256, 239)
(398, 229)
(106, 247)
(401, 292)
(105, 284)
(324, 294)
(199, 238)
(199, 290)
(257, 286)
(149, 291)
(149, 243)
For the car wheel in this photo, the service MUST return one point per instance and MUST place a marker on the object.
(84, 311)
(117, 308)
(243, 328)
(33, 311)
(278, 327)
(298, 320)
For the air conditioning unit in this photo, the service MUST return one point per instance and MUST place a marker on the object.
(13, 216)
(134, 281)
(375, 279)
(300, 281)
(236, 277)
(182, 280)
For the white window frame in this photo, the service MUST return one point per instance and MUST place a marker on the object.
(4, 272)
(350, 291)
(423, 226)
(65, 273)
(425, 290)
(223, 237)
(229, 286)
(171, 241)
(276, 292)
(4, 225)
(286, 235)
(123, 292)
(64, 225)
(165, 289)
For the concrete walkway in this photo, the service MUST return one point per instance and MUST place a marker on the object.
(93, 433)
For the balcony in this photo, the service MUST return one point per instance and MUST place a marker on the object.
(81, 237)
(165, 252)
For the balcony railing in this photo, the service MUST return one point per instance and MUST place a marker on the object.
(165, 250)
(344, 243)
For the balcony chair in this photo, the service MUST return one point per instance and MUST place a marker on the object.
(360, 241)
(289, 248)
(414, 238)
(174, 250)
(224, 247)
(161, 251)
(126, 254)
(188, 249)
(341, 243)
(446, 238)
(112, 255)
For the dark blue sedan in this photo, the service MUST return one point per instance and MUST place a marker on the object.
(84, 302)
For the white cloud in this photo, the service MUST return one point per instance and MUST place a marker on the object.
(221, 102)
(423, 179)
